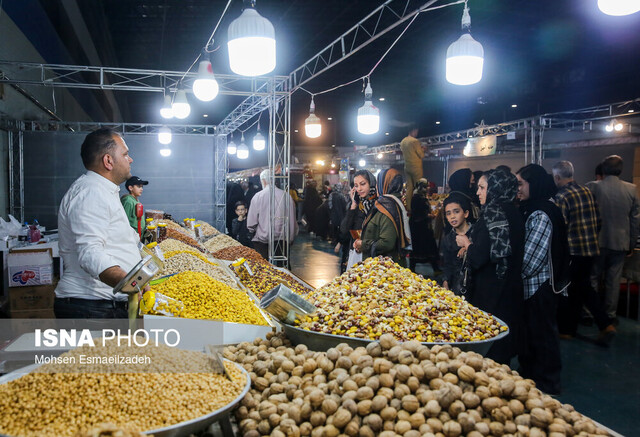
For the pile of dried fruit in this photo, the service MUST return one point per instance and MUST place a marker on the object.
(378, 296)
(266, 277)
(188, 261)
(206, 298)
(177, 235)
(235, 252)
(391, 389)
(206, 229)
(220, 242)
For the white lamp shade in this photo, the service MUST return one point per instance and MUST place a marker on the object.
(166, 111)
(259, 142)
(362, 163)
(619, 7)
(205, 87)
(609, 128)
(164, 135)
(232, 148)
(243, 151)
(465, 59)
(251, 44)
(181, 108)
(368, 118)
(165, 152)
(312, 126)
(618, 127)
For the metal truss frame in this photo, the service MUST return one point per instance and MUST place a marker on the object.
(122, 128)
(124, 79)
(383, 19)
(220, 182)
(16, 171)
(279, 160)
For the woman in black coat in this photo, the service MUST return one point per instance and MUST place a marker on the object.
(494, 255)
(312, 201)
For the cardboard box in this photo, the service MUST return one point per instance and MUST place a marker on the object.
(39, 297)
(30, 267)
(33, 314)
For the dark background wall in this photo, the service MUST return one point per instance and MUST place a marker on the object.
(181, 184)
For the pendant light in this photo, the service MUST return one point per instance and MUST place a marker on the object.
(362, 163)
(231, 147)
(312, 126)
(166, 111)
(368, 115)
(165, 152)
(164, 135)
(465, 57)
(243, 150)
(619, 8)
(259, 142)
(251, 43)
(181, 108)
(205, 87)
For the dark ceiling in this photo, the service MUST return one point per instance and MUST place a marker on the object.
(544, 55)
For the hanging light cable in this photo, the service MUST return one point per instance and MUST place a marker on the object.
(205, 87)
(181, 108)
(312, 126)
(465, 57)
(619, 8)
(231, 147)
(243, 150)
(251, 43)
(368, 115)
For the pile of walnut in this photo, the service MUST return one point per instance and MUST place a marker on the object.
(391, 389)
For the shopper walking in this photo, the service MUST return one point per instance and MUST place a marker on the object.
(337, 203)
(259, 218)
(580, 213)
(385, 230)
(620, 212)
(97, 245)
(413, 154)
(494, 255)
(312, 201)
(456, 277)
(424, 247)
(545, 273)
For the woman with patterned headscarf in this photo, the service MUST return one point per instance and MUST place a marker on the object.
(385, 230)
(362, 198)
(494, 256)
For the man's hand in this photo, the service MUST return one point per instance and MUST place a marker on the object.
(337, 248)
(357, 245)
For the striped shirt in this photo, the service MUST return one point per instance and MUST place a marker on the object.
(535, 265)
(582, 218)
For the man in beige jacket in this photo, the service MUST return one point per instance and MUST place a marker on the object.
(413, 154)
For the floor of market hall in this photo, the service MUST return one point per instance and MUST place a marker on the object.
(602, 383)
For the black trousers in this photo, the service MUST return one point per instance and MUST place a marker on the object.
(580, 293)
(540, 355)
(74, 308)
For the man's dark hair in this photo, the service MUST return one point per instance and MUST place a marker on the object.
(504, 168)
(240, 203)
(599, 169)
(612, 166)
(97, 144)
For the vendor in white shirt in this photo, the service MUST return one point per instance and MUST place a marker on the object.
(97, 244)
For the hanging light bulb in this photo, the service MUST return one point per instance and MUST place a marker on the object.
(258, 140)
(205, 87)
(231, 147)
(165, 152)
(251, 43)
(312, 126)
(181, 108)
(164, 135)
(465, 57)
(619, 7)
(617, 126)
(368, 115)
(609, 127)
(379, 156)
(166, 111)
(243, 150)
(362, 163)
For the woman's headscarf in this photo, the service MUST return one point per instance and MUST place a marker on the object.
(390, 183)
(367, 203)
(501, 188)
(461, 181)
(541, 188)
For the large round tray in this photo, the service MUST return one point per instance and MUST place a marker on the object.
(317, 341)
(179, 429)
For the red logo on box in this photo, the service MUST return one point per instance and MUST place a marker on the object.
(24, 276)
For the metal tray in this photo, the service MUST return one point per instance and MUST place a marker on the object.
(317, 341)
(179, 429)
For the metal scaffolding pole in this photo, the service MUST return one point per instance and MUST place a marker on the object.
(280, 201)
(220, 183)
(16, 172)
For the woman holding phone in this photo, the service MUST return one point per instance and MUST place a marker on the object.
(362, 198)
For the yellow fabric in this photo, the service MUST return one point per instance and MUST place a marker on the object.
(413, 154)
